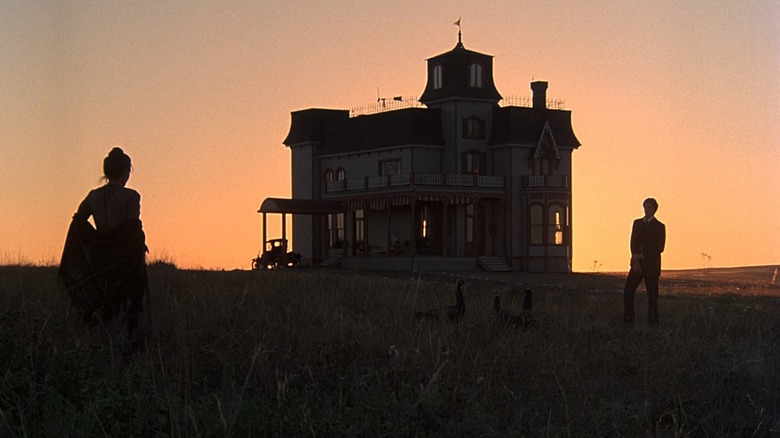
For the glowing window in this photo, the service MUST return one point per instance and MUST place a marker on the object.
(556, 225)
(424, 215)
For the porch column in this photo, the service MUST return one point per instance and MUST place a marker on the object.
(284, 236)
(477, 230)
(265, 229)
(414, 227)
(444, 226)
(389, 227)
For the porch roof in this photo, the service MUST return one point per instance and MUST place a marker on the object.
(300, 206)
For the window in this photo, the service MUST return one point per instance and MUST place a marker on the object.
(341, 175)
(437, 78)
(475, 78)
(469, 226)
(473, 162)
(424, 221)
(360, 225)
(473, 127)
(390, 167)
(359, 245)
(546, 151)
(336, 230)
(541, 166)
(328, 175)
(557, 221)
(537, 227)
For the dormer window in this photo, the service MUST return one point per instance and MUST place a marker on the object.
(328, 175)
(475, 77)
(437, 77)
(341, 175)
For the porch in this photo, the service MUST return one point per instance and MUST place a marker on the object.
(409, 263)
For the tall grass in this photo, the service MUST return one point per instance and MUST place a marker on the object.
(307, 353)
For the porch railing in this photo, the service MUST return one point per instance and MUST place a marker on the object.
(540, 181)
(412, 179)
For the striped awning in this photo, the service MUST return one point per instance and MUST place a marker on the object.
(460, 200)
(382, 203)
(377, 204)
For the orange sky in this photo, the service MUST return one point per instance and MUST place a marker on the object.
(673, 99)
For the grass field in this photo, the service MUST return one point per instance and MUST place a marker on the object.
(318, 353)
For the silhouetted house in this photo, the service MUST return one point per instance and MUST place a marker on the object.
(458, 179)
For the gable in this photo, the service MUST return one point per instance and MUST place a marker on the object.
(546, 146)
(520, 125)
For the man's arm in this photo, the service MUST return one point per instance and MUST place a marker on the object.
(636, 247)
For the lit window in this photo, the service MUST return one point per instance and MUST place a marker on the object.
(556, 225)
(424, 215)
(476, 76)
(437, 78)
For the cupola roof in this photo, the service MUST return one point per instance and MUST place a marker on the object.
(460, 74)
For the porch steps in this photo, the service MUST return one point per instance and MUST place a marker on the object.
(330, 262)
(493, 264)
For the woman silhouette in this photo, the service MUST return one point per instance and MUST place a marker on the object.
(103, 268)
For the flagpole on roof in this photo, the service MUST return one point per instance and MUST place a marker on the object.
(457, 23)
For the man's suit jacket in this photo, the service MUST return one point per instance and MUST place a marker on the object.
(649, 240)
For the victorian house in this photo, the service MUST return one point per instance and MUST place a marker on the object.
(458, 178)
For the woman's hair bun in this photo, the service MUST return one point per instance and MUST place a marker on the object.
(116, 163)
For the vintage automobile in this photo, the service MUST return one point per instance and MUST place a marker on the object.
(276, 256)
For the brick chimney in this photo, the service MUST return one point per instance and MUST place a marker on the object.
(539, 89)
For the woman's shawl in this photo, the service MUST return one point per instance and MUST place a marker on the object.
(103, 273)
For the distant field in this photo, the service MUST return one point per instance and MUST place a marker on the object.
(334, 353)
(751, 273)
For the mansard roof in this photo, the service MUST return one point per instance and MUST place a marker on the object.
(520, 125)
(311, 125)
(344, 135)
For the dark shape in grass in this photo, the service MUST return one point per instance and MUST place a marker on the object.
(452, 313)
(525, 319)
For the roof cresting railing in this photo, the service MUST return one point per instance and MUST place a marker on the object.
(383, 105)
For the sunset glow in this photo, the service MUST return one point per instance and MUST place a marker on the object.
(678, 100)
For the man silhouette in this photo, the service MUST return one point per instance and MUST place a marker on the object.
(648, 237)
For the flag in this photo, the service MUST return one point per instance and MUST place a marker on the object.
(457, 23)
